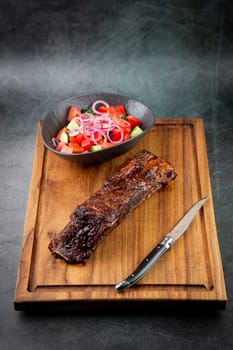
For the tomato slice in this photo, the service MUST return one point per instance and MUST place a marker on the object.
(111, 111)
(116, 111)
(133, 121)
(126, 136)
(120, 110)
(73, 112)
(102, 109)
(86, 144)
(76, 148)
(77, 138)
(116, 134)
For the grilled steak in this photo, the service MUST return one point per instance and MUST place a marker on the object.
(142, 176)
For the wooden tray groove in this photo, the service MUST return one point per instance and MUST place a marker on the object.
(190, 271)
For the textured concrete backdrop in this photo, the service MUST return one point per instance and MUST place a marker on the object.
(177, 57)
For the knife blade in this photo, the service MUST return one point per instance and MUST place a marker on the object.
(167, 242)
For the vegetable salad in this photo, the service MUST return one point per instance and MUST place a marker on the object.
(96, 128)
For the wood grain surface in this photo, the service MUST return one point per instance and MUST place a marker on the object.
(190, 271)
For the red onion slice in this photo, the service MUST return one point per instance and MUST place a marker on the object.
(102, 137)
(102, 122)
(55, 142)
(110, 130)
(98, 102)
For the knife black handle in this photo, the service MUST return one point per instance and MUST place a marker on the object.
(147, 263)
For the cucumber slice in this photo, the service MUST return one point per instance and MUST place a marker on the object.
(72, 125)
(64, 137)
(136, 131)
(96, 148)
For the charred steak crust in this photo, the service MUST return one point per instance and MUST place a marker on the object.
(123, 191)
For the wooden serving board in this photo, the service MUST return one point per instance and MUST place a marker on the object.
(190, 272)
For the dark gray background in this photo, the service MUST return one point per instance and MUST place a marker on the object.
(176, 57)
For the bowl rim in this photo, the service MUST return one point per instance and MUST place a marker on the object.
(85, 154)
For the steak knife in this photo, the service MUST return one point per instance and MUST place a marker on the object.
(167, 242)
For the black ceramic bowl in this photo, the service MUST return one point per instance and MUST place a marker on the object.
(57, 118)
